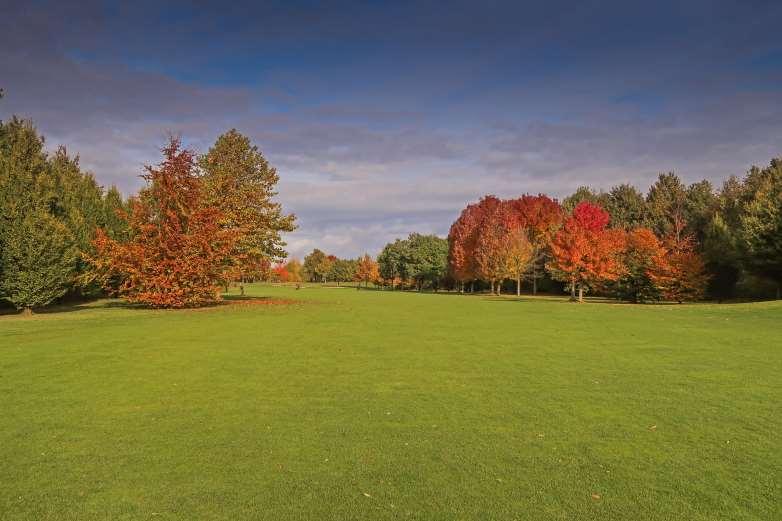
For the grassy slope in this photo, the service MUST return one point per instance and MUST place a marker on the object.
(373, 405)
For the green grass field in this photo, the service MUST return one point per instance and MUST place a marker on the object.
(377, 405)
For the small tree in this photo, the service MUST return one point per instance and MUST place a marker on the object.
(367, 270)
(294, 269)
(38, 261)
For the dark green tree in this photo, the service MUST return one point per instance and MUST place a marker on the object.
(426, 260)
(627, 207)
(38, 260)
(392, 261)
(761, 223)
(665, 204)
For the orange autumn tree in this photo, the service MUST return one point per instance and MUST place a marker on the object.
(177, 251)
(678, 270)
(585, 251)
(490, 236)
(461, 243)
(641, 253)
(367, 270)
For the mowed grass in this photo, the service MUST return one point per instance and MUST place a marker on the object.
(377, 405)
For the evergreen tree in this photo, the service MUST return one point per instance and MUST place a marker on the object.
(627, 207)
(37, 260)
(761, 223)
(241, 183)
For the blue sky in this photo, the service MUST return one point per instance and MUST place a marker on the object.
(388, 117)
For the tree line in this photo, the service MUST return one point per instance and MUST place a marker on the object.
(200, 223)
(675, 243)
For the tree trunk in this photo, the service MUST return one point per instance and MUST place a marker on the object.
(518, 285)
(580, 293)
(472, 286)
(27, 312)
(499, 287)
(535, 279)
(241, 284)
(572, 290)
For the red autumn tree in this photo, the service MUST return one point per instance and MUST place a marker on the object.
(678, 270)
(584, 251)
(461, 243)
(177, 252)
(280, 273)
(541, 217)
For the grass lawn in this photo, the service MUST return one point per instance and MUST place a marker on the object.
(377, 405)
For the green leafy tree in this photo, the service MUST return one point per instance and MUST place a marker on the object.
(425, 259)
(392, 262)
(342, 270)
(316, 266)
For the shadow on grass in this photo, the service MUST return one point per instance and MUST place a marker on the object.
(75, 307)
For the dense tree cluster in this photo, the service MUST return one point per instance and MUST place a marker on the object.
(320, 267)
(675, 243)
(200, 223)
(49, 211)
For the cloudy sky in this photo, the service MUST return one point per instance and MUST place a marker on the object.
(386, 118)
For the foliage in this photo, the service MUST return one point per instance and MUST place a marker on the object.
(177, 250)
